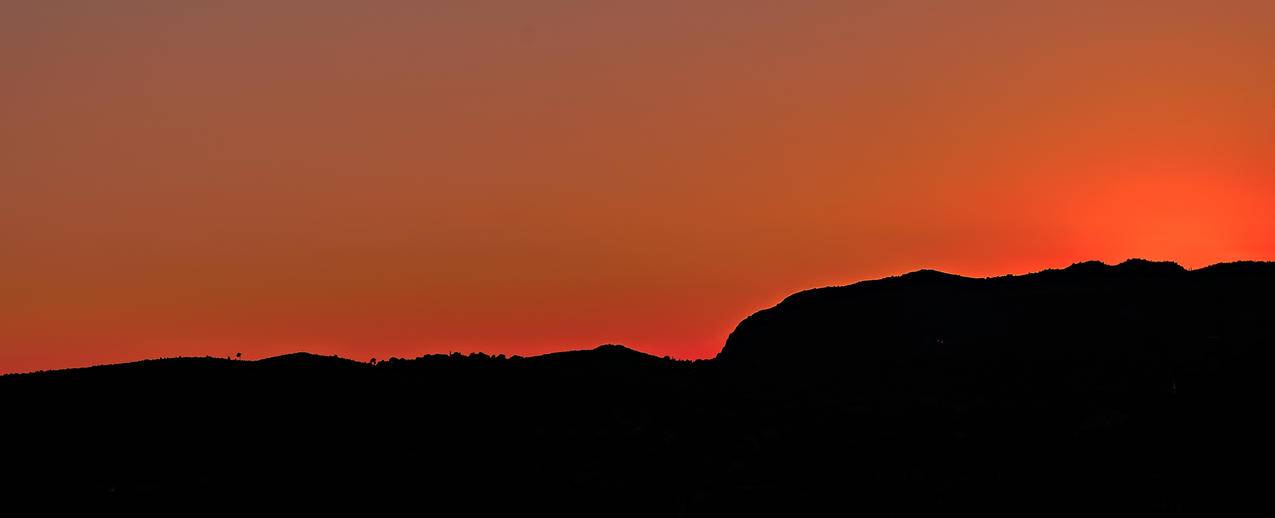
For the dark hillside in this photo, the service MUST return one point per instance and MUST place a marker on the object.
(1138, 387)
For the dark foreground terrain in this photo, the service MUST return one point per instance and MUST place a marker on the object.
(1096, 388)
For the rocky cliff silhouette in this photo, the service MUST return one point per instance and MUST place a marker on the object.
(1138, 387)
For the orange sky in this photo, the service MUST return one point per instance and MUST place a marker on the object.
(400, 178)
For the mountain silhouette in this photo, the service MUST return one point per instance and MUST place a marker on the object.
(1089, 308)
(1141, 386)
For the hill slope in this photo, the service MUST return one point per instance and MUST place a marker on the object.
(1140, 386)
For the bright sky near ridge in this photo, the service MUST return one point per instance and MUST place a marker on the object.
(382, 178)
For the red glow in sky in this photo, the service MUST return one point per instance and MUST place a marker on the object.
(402, 178)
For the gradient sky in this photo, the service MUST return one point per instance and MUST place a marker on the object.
(380, 178)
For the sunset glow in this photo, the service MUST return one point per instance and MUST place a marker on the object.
(398, 178)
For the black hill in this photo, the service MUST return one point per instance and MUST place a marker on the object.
(1141, 386)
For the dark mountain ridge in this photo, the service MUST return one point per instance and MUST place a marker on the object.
(1138, 386)
(1088, 302)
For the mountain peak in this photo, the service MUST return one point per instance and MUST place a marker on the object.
(305, 359)
(1146, 266)
(1135, 265)
(927, 274)
(1087, 266)
(605, 351)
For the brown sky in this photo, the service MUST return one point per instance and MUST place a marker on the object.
(399, 178)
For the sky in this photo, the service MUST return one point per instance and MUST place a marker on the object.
(398, 178)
